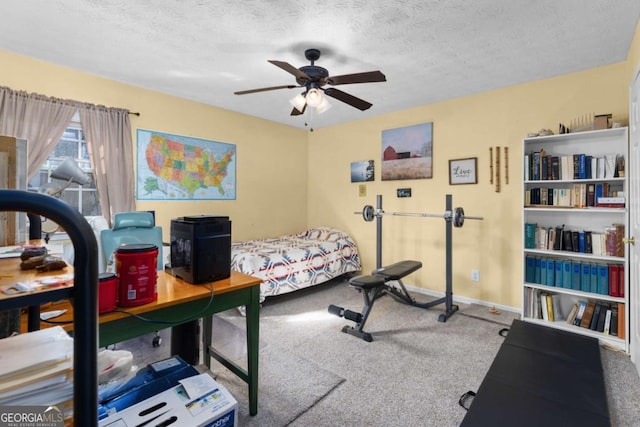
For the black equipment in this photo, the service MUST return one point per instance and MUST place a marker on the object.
(388, 280)
(200, 248)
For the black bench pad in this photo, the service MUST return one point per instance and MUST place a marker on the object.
(542, 377)
(398, 270)
(366, 282)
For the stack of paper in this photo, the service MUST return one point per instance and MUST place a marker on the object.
(37, 369)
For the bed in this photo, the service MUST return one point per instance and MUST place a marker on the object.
(288, 263)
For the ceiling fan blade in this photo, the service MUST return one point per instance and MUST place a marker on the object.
(296, 112)
(263, 89)
(358, 103)
(366, 77)
(290, 69)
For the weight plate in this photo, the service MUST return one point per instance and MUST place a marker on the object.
(367, 213)
(458, 217)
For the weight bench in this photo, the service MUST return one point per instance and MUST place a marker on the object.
(383, 281)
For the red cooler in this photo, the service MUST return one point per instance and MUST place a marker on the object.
(136, 268)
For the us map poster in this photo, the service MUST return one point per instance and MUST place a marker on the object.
(173, 167)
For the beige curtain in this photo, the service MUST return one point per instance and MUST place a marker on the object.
(39, 119)
(108, 135)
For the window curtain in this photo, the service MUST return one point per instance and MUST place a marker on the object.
(39, 119)
(108, 135)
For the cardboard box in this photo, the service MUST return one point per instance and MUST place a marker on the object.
(208, 404)
(601, 121)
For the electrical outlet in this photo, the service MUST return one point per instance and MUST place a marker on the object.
(475, 275)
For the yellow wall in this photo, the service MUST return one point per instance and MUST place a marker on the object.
(463, 127)
(271, 197)
(280, 190)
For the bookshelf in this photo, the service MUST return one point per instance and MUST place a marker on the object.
(575, 222)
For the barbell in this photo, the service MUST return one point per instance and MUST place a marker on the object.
(456, 216)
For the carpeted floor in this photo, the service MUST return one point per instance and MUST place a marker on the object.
(412, 374)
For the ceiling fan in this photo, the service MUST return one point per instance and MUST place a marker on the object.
(312, 78)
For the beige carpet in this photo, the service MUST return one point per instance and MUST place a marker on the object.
(412, 374)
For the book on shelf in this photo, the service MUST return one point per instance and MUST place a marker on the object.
(600, 169)
(588, 242)
(621, 321)
(557, 243)
(572, 313)
(621, 281)
(620, 166)
(555, 167)
(610, 202)
(579, 195)
(613, 327)
(530, 269)
(543, 307)
(567, 241)
(587, 315)
(601, 318)
(594, 319)
(567, 274)
(543, 271)
(593, 278)
(578, 318)
(619, 239)
(576, 276)
(557, 307)
(614, 277)
(530, 235)
(607, 322)
(558, 276)
(550, 310)
(596, 243)
(551, 272)
(538, 270)
(575, 241)
(585, 277)
(603, 279)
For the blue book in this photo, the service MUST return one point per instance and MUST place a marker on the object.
(576, 276)
(537, 276)
(603, 279)
(581, 242)
(598, 193)
(585, 285)
(558, 274)
(582, 174)
(530, 269)
(543, 271)
(593, 284)
(567, 271)
(551, 272)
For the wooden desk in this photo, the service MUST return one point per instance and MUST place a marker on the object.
(178, 302)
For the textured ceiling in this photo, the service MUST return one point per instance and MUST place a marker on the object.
(429, 50)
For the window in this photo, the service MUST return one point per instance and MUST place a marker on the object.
(72, 144)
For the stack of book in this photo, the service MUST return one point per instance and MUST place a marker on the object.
(38, 370)
(608, 318)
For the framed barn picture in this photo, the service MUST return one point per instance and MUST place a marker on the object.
(407, 152)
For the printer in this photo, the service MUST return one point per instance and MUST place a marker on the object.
(200, 248)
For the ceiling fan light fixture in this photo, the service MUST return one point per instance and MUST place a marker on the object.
(323, 106)
(298, 102)
(314, 97)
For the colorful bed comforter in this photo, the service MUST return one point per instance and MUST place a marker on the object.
(296, 261)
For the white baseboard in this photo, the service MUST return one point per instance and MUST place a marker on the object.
(464, 300)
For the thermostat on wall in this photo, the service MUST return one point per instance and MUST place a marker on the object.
(404, 192)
